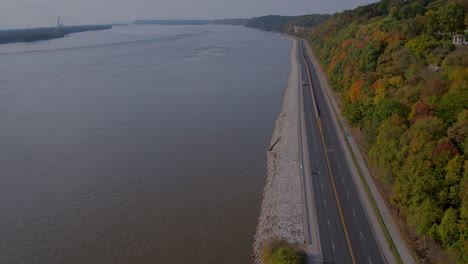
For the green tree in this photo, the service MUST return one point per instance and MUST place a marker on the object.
(454, 171)
(421, 45)
(452, 103)
(431, 126)
(461, 248)
(411, 10)
(424, 216)
(370, 56)
(453, 178)
(386, 108)
(431, 22)
(452, 17)
(281, 252)
(448, 229)
(387, 153)
(436, 5)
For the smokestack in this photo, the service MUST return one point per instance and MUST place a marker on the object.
(59, 16)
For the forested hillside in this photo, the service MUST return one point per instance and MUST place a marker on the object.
(405, 86)
(286, 23)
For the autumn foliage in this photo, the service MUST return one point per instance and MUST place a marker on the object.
(405, 85)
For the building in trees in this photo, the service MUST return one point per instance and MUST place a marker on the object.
(459, 39)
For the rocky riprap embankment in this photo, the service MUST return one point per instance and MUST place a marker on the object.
(281, 213)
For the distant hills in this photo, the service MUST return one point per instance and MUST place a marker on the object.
(172, 22)
(234, 21)
(287, 24)
(268, 23)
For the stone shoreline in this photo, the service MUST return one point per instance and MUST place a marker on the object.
(281, 214)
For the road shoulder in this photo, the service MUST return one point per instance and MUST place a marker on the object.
(340, 123)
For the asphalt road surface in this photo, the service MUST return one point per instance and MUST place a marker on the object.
(344, 230)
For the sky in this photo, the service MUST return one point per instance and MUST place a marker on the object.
(41, 13)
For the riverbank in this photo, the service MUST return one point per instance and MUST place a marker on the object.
(29, 35)
(281, 213)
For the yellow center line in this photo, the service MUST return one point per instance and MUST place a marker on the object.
(319, 123)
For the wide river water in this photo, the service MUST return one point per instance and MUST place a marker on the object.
(140, 144)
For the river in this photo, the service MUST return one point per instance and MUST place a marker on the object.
(140, 144)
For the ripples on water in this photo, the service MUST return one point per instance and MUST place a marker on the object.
(140, 144)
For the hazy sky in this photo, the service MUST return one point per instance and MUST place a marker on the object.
(38, 13)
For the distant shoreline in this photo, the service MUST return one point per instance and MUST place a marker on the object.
(36, 34)
(233, 21)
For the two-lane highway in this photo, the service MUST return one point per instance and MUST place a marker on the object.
(344, 229)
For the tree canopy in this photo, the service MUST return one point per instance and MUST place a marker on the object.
(405, 85)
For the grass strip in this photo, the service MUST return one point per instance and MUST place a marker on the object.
(376, 209)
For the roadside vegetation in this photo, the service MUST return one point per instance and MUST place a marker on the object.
(405, 86)
(281, 252)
